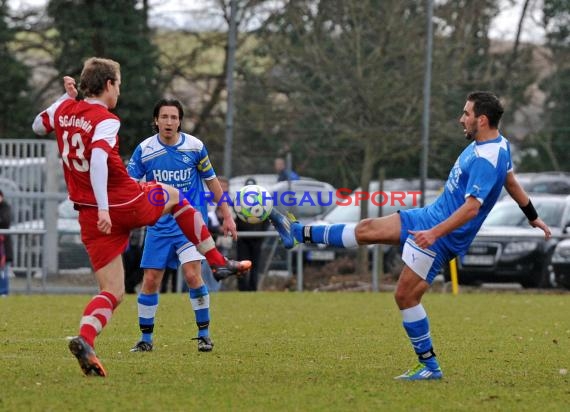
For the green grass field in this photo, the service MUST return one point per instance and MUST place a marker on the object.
(292, 352)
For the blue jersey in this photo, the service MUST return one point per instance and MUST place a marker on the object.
(480, 171)
(184, 166)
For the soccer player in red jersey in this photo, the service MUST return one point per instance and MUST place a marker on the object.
(110, 203)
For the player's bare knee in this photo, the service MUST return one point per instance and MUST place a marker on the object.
(400, 297)
(404, 300)
(151, 282)
(193, 276)
(193, 281)
(404, 296)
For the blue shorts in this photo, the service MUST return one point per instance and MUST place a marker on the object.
(425, 262)
(161, 252)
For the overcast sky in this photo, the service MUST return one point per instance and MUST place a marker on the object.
(504, 27)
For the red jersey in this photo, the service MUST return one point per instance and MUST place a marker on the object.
(81, 126)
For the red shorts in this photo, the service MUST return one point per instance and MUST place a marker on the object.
(102, 248)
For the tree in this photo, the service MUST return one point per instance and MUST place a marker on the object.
(15, 104)
(552, 142)
(194, 69)
(116, 29)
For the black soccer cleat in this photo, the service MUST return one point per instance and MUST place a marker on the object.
(142, 346)
(232, 267)
(90, 364)
(205, 344)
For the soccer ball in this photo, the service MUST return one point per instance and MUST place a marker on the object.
(251, 205)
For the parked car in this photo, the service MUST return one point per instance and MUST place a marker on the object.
(561, 263)
(508, 249)
(265, 180)
(556, 183)
(306, 199)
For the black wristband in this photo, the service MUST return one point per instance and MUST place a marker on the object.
(529, 211)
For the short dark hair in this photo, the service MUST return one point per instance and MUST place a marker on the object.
(168, 102)
(488, 104)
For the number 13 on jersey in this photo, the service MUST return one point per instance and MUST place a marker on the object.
(76, 150)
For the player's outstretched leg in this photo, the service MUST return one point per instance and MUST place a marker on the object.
(90, 364)
(192, 225)
(293, 232)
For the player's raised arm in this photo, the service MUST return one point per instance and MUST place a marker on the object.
(426, 238)
(44, 122)
(70, 86)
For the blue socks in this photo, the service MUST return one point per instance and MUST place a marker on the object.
(416, 324)
(200, 301)
(339, 235)
(147, 306)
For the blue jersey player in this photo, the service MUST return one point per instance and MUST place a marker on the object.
(433, 235)
(180, 160)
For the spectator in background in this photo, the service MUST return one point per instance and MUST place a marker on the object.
(282, 173)
(7, 253)
(250, 248)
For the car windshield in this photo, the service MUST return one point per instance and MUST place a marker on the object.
(507, 213)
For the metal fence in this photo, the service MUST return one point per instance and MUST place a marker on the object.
(31, 179)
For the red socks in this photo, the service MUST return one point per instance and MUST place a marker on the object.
(194, 228)
(96, 315)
